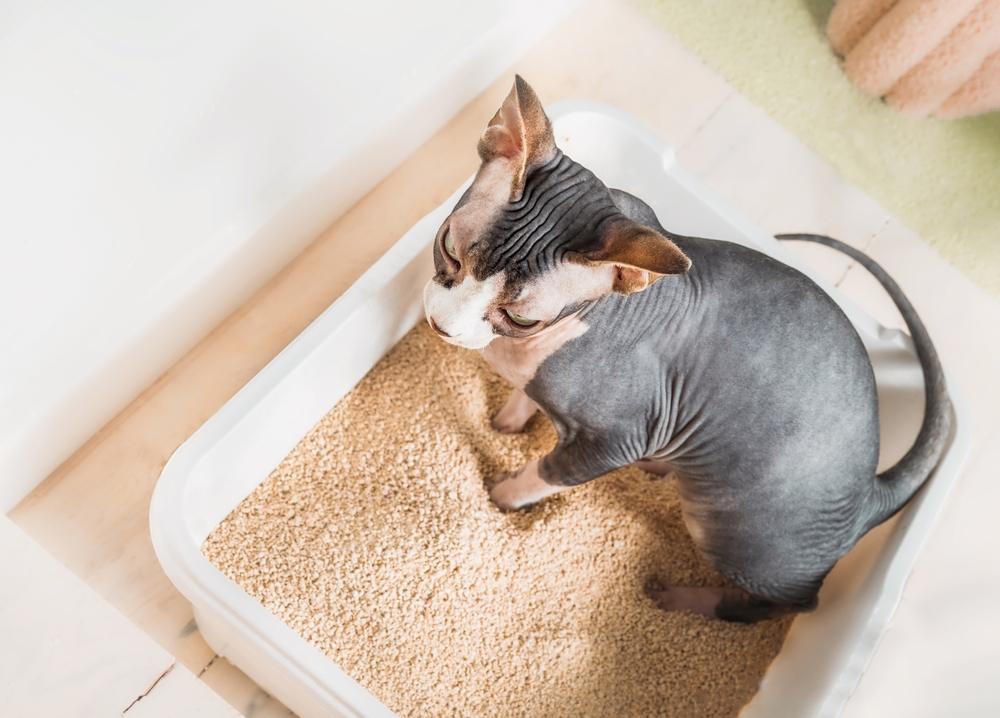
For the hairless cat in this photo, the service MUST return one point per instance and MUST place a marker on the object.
(680, 354)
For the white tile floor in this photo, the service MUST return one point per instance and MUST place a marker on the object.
(66, 652)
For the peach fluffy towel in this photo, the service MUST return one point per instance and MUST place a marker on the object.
(925, 57)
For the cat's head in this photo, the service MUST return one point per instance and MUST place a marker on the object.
(534, 238)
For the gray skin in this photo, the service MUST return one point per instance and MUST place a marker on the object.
(751, 385)
(740, 376)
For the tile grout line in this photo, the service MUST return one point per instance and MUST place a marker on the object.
(208, 665)
(151, 687)
(705, 122)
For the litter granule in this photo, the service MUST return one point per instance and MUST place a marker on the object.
(375, 540)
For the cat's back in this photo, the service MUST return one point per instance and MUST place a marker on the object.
(770, 351)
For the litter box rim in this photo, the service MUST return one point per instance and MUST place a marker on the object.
(307, 681)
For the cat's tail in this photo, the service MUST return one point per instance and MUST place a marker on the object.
(894, 486)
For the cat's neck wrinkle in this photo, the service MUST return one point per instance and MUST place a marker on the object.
(517, 359)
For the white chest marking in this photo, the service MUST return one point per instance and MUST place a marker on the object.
(517, 360)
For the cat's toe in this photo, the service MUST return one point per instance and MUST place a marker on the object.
(505, 424)
(665, 597)
(652, 586)
(701, 600)
(502, 498)
(506, 494)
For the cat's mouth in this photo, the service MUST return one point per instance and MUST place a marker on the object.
(457, 315)
(460, 341)
(440, 332)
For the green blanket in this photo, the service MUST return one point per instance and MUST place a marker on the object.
(940, 177)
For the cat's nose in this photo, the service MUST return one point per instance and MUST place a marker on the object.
(436, 328)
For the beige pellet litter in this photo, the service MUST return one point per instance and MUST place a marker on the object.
(375, 540)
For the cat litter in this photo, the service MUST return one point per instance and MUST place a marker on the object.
(376, 541)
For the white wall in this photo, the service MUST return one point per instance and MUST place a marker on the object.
(160, 160)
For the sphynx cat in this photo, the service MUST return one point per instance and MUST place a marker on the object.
(699, 357)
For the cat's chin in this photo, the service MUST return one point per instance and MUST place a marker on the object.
(473, 345)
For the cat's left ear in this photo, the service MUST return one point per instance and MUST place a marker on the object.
(519, 133)
(640, 255)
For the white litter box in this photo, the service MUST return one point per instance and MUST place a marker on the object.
(825, 652)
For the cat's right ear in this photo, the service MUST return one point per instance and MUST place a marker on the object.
(639, 254)
(519, 134)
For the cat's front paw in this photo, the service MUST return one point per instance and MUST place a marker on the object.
(515, 413)
(520, 490)
(506, 423)
(508, 495)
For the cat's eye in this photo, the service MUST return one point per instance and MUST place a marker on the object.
(519, 320)
(449, 245)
